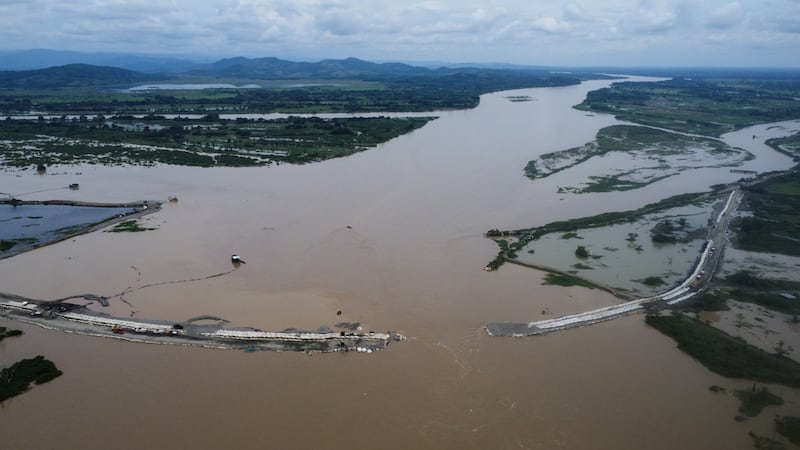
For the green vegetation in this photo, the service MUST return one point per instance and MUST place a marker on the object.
(789, 145)
(765, 443)
(205, 142)
(710, 301)
(532, 170)
(610, 183)
(71, 75)
(748, 279)
(653, 281)
(789, 427)
(775, 224)
(17, 378)
(750, 288)
(328, 86)
(708, 106)
(570, 235)
(724, 354)
(753, 401)
(500, 258)
(8, 244)
(526, 235)
(667, 110)
(770, 300)
(128, 226)
(581, 252)
(565, 280)
(4, 333)
(357, 86)
(643, 143)
(668, 232)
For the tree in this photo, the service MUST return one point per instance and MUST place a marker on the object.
(581, 252)
(782, 349)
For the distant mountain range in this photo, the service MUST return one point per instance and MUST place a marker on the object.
(274, 68)
(240, 68)
(43, 59)
(73, 75)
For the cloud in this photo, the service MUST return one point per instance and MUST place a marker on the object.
(337, 23)
(726, 16)
(551, 25)
(534, 31)
(574, 12)
(788, 25)
(653, 18)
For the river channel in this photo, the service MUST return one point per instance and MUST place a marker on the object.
(393, 238)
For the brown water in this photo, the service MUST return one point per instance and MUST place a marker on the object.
(411, 260)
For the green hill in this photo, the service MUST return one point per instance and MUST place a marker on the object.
(72, 75)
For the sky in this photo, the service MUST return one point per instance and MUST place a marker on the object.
(745, 33)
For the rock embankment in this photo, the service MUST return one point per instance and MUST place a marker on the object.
(78, 319)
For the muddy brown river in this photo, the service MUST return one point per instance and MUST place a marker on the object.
(392, 238)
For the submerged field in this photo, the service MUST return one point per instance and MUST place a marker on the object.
(773, 223)
(705, 106)
(651, 155)
(571, 229)
(24, 226)
(675, 127)
(643, 256)
(206, 142)
(789, 145)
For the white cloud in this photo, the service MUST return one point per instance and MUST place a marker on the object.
(726, 16)
(534, 31)
(650, 17)
(551, 25)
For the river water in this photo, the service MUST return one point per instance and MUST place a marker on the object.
(393, 238)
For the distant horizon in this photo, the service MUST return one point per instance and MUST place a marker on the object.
(612, 33)
(208, 59)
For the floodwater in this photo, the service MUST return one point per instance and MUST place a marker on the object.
(30, 224)
(621, 261)
(393, 238)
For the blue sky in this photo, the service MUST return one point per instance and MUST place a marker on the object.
(612, 32)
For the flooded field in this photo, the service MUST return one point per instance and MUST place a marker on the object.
(26, 225)
(392, 238)
(623, 256)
